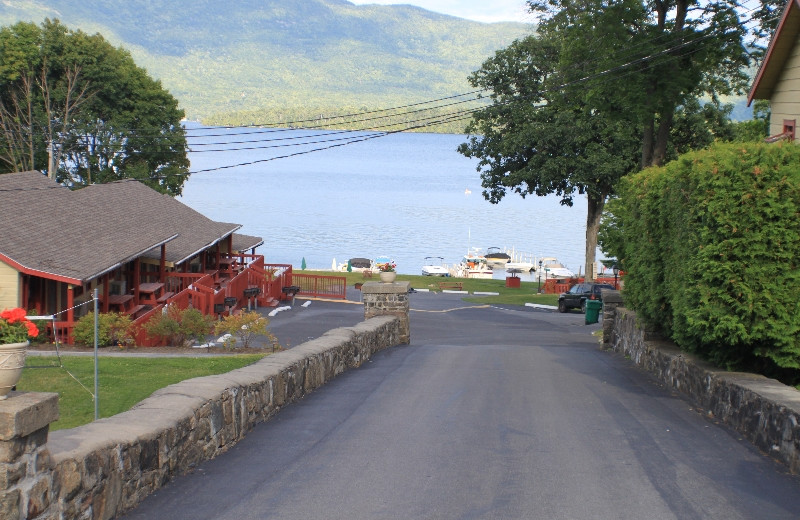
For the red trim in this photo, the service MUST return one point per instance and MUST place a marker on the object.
(772, 44)
(39, 274)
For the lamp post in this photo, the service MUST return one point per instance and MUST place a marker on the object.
(616, 272)
(540, 276)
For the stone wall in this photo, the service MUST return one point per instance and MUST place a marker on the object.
(105, 468)
(763, 410)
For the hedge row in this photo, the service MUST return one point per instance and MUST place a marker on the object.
(711, 244)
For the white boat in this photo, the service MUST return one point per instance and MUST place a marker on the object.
(554, 269)
(522, 267)
(433, 266)
(357, 264)
(497, 259)
(473, 265)
(521, 262)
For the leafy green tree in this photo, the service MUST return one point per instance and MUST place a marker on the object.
(651, 57)
(698, 125)
(73, 105)
(601, 91)
(756, 128)
(535, 139)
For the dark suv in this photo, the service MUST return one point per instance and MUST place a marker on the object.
(578, 294)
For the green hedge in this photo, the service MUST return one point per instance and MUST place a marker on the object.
(710, 244)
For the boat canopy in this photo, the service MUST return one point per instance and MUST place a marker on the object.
(361, 263)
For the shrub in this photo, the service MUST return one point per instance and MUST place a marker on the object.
(177, 326)
(42, 325)
(710, 244)
(244, 326)
(112, 329)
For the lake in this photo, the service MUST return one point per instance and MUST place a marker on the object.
(406, 196)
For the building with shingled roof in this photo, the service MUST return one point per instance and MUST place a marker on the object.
(138, 248)
(778, 78)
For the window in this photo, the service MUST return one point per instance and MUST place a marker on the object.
(788, 127)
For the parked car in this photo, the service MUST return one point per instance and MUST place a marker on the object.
(578, 294)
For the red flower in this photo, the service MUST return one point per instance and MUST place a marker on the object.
(15, 326)
(13, 315)
(33, 330)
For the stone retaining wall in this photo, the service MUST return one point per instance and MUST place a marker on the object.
(104, 468)
(763, 410)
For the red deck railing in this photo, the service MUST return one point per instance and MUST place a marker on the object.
(320, 286)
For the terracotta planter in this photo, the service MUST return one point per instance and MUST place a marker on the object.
(388, 276)
(12, 360)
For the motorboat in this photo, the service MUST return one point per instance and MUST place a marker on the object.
(497, 259)
(555, 269)
(433, 266)
(357, 264)
(520, 262)
(360, 263)
(522, 267)
(473, 265)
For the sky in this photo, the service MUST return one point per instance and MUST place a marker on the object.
(478, 10)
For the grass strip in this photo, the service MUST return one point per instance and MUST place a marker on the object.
(528, 292)
(122, 381)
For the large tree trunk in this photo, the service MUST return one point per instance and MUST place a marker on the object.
(662, 139)
(593, 213)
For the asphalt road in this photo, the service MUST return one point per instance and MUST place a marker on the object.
(489, 413)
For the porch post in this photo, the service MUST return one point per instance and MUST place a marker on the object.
(162, 265)
(136, 280)
(25, 290)
(106, 280)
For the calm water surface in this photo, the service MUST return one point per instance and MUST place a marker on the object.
(406, 196)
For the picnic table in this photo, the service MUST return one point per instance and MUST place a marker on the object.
(120, 302)
(151, 292)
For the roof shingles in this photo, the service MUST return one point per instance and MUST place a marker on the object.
(82, 234)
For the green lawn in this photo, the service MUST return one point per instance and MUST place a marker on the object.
(123, 381)
(527, 293)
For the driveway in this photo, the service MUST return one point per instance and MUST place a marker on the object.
(495, 413)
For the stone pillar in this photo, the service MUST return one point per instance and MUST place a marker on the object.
(381, 299)
(25, 464)
(611, 301)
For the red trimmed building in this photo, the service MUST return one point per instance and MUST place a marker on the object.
(139, 248)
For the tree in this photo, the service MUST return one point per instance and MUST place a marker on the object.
(72, 104)
(755, 129)
(595, 95)
(652, 57)
(535, 139)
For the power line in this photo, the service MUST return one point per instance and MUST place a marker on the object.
(447, 117)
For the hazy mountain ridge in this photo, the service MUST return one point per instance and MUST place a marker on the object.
(261, 55)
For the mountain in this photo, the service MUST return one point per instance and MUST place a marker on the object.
(245, 59)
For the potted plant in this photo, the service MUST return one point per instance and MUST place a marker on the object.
(15, 329)
(386, 271)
